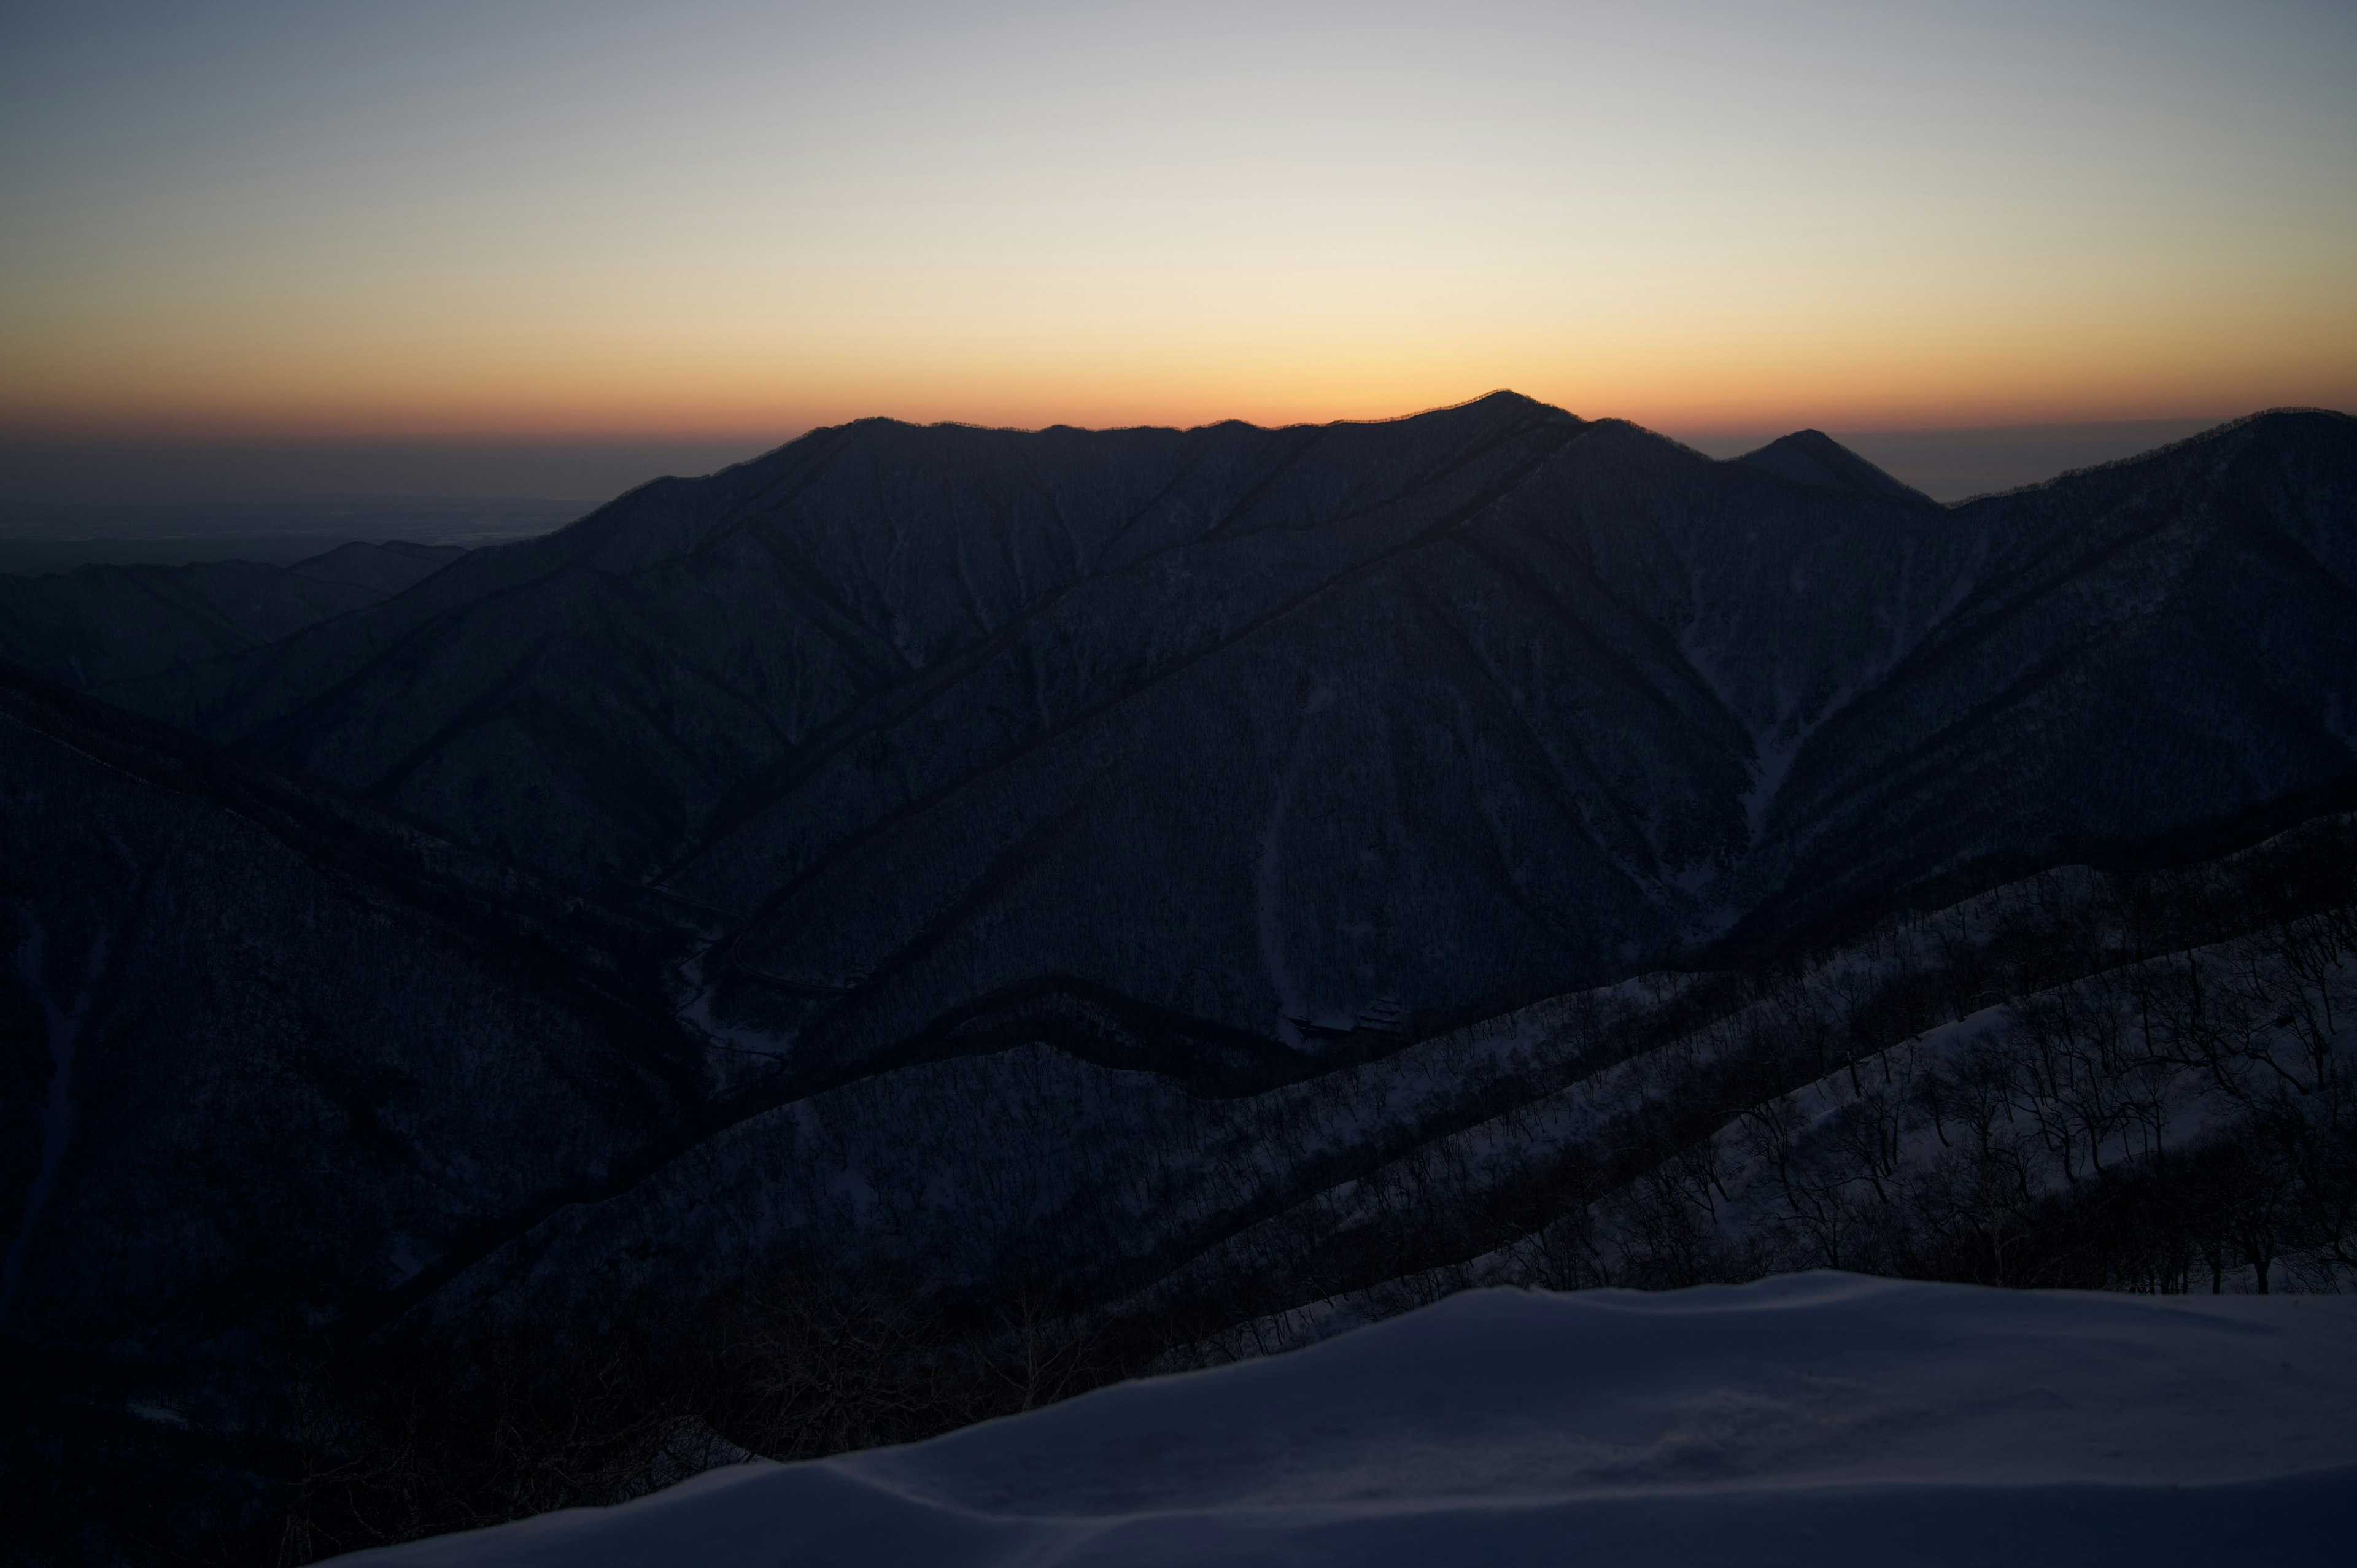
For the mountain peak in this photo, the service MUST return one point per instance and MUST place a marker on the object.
(1815, 458)
(1507, 399)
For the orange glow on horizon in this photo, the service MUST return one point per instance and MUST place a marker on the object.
(731, 221)
(1877, 378)
(595, 361)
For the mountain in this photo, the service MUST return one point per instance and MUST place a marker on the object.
(1814, 457)
(1412, 720)
(96, 625)
(387, 568)
(933, 918)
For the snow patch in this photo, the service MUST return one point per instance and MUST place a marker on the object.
(63, 1025)
(1292, 1008)
(1810, 1418)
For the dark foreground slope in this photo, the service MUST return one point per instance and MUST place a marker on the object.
(372, 1199)
(1676, 1431)
(263, 1052)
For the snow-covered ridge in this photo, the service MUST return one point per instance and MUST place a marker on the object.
(1808, 1417)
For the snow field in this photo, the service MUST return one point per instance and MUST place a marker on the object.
(1813, 1418)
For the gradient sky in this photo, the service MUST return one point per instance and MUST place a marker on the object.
(523, 217)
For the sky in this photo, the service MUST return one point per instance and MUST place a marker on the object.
(711, 221)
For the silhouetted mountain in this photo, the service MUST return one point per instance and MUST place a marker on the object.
(96, 625)
(1425, 716)
(1183, 872)
(388, 568)
(1814, 457)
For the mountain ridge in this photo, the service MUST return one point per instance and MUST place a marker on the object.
(1031, 650)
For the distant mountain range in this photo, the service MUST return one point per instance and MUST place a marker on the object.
(405, 927)
(98, 625)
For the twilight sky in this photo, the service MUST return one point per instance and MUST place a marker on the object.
(528, 217)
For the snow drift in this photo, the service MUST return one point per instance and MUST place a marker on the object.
(1821, 1417)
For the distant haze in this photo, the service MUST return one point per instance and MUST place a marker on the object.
(66, 472)
(66, 502)
(532, 219)
(61, 478)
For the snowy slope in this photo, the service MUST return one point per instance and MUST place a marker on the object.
(1822, 1417)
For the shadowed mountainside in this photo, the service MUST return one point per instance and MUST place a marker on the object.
(1295, 730)
(365, 1182)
